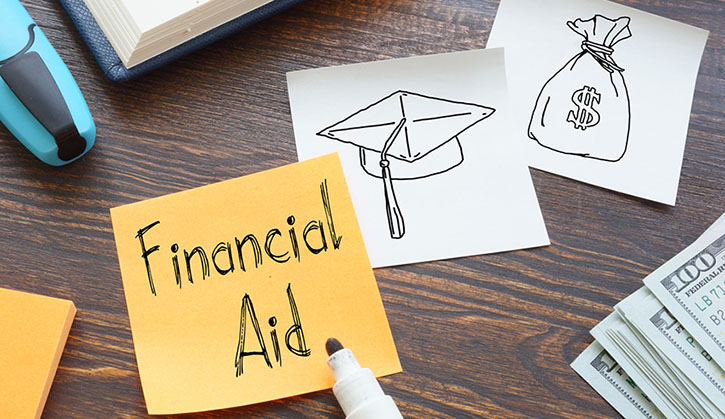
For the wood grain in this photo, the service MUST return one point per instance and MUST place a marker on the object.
(486, 336)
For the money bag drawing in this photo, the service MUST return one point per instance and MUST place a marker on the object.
(583, 109)
(406, 136)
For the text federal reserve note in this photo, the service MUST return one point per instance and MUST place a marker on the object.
(692, 287)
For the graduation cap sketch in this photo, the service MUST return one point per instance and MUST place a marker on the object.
(405, 136)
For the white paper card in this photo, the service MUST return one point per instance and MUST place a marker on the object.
(602, 92)
(454, 182)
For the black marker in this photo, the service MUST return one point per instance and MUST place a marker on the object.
(356, 389)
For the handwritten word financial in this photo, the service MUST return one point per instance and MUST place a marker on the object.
(226, 258)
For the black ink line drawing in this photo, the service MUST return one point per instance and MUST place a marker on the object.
(583, 109)
(249, 318)
(406, 136)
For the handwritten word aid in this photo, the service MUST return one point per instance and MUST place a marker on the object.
(356, 389)
(603, 373)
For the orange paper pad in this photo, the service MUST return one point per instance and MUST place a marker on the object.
(34, 329)
(233, 288)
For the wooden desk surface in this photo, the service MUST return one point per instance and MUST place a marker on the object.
(479, 336)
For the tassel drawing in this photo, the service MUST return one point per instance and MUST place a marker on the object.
(407, 136)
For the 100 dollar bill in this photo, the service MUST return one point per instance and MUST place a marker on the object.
(692, 287)
(649, 375)
(603, 373)
(645, 312)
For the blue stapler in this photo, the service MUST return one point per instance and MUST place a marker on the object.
(40, 102)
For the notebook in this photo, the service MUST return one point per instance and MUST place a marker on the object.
(34, 330)
(129, 38)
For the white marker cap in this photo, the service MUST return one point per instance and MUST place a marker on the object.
(357, 390)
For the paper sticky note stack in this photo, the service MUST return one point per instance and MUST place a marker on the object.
(234, 288)
(34, 330)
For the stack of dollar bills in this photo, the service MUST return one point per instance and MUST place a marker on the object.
(661, 353)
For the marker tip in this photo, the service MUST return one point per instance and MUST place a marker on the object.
(333, 345)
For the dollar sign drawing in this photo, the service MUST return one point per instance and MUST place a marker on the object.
(585, 116)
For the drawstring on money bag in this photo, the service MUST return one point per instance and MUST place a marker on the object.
(602, 54)
(395, 218)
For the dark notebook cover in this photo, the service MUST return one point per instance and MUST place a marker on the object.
(110, 63)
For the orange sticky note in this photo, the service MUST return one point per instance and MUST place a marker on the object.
(33, 331)
(233, 288)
